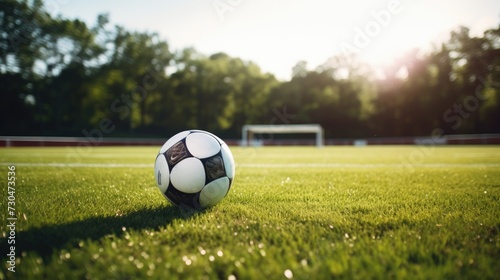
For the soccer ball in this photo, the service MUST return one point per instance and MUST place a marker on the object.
(194, 169)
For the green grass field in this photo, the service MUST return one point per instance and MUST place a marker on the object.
(296, 212)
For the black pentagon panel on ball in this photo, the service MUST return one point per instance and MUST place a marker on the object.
(176, 153)
(181, 199)
(214, 168)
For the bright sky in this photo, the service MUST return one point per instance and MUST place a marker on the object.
(277, 33)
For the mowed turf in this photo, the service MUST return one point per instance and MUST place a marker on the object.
(293, 212)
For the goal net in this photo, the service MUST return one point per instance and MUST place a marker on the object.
(248, 131)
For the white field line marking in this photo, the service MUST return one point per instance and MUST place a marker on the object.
(363, 165)
(476, 155)
(259, 165)
(81, 165)
(110, 156)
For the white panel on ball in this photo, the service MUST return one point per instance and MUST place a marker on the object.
(202, 145)
(211, 134)
(174, 139)
(214, 192)
(227, 156)
(162, 175)
(188, 175)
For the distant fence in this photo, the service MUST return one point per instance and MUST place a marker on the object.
(465, 139)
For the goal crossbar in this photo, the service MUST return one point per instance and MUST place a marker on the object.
(248, 130)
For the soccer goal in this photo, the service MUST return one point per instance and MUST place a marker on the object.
(248, 131)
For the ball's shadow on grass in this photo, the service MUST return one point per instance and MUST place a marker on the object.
(44, 240)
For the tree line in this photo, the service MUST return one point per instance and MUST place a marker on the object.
(60, 76)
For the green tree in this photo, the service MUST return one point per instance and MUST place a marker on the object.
(60, 76)
(217, 93)
(20, 46)
(132, 77)
(476, 67)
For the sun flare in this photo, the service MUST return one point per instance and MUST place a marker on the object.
(388, 34)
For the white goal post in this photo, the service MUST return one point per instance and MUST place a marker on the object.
(248, 131)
